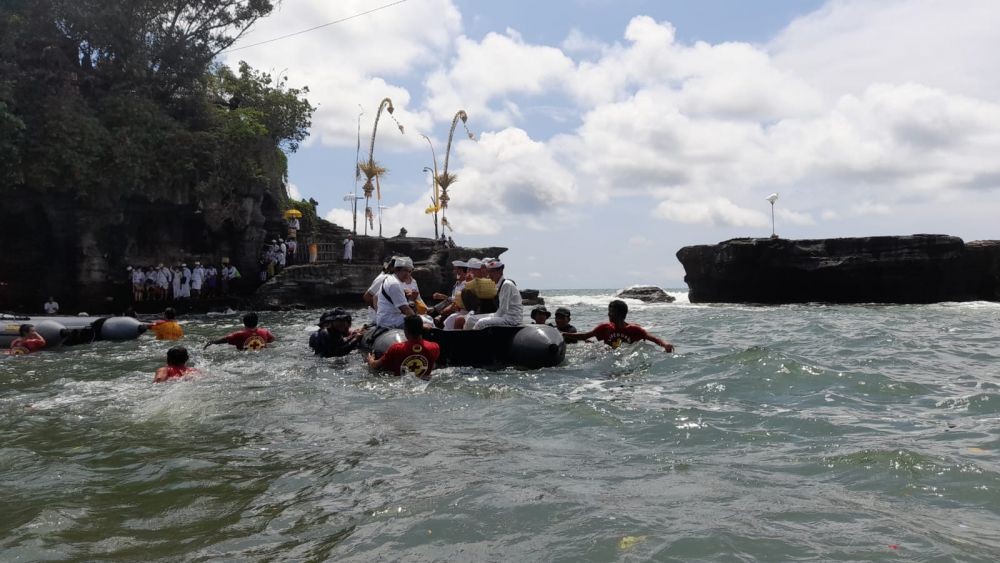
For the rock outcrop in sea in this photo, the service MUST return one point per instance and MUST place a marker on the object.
(885, 269)
(647, 294)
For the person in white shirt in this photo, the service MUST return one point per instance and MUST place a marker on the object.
(175, 284)
(370, 295)
(138, 281)
(197, 279)
(509, 311)
(51, 307)
(392, 305)
(458, 319)
(292, 247)
(280, 255)
(349, 249)
(185, 282)
(230, 276)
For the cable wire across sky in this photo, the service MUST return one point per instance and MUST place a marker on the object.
(327, 24)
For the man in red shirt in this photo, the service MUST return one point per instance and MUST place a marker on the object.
(250, 338)
(416, 355)
(28, 341)
(176, 367)
(616, 331)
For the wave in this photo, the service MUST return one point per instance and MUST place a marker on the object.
(602, 299)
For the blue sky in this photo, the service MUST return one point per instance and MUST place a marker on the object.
(611, 133)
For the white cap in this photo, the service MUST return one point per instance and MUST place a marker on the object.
(495, 264)
(404, 262)
(459, 264)
(474, 263)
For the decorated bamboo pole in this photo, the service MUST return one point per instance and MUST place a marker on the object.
(436, 203)
(370, 168)
(445, 180)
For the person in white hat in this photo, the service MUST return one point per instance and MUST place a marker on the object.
(197, 279)
(349, 249)
(138, 281)
(371, 294)
(185, 282)
(392, 304)
(510, 311)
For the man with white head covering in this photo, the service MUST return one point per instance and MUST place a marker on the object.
(197, 279)
(509, 311)
(392, 304)
(370, 295)
(185, 282)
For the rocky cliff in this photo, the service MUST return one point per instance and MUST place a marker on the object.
(888, 269)
(77, 249)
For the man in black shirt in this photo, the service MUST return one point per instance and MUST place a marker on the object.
(334, 337)
(562, 320)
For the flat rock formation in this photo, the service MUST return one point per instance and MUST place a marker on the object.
(647, 294)
(330, 283)
(887, 269)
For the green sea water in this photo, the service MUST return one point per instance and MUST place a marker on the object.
(804, 432)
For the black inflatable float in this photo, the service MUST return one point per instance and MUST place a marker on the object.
(531, 346)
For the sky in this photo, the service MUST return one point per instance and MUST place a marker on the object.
(608, 134)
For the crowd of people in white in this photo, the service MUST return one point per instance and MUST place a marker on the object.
(181, 282)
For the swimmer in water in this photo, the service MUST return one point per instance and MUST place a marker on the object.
(168, 328)
(250, 338)
(616, 331)
(176, 368)
(28, 341)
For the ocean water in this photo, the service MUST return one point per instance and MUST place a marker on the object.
(804, 432)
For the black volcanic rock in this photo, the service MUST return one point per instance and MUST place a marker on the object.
(887, 269)
(647, 294)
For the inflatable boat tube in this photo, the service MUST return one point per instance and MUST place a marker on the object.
(71, 331)
(120, 329)
(531, 347)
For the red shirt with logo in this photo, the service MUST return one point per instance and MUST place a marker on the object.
(252, 338)
(177, 372)
(26, 345)
(615, 337)
(413, 356)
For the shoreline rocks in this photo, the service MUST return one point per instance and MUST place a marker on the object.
(646, 294)
(887, 269)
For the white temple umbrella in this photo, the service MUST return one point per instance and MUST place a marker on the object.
(772, 198)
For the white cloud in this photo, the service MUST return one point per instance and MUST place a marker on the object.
(639, 241)
(484, 73)
(882, 103)
(509, 179)
(714, 211)
(848, 45)
(293, 191)
(870, 208)
(354, 62)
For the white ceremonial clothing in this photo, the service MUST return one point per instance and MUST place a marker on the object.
(348, 249)
(197, 278)
(51, 307)
(390, 298)
(510, 311)
(373, 290)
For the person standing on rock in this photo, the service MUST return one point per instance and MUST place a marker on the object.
(349, 249)
(616, 331)
(185, 282)
(138, 281)
(197, 280)
(51, 307)
(292, 247)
